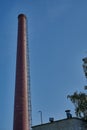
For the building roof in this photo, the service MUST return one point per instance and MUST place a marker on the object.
(58, 121)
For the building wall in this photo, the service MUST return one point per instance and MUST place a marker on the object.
(66, 124)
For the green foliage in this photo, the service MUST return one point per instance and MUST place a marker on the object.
(80, 102)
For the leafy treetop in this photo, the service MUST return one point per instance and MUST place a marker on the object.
(80, 102)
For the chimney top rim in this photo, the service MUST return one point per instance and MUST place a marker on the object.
(21, 15)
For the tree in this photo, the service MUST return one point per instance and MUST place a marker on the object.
(80, 102)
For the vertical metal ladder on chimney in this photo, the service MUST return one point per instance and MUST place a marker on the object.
(28, 81)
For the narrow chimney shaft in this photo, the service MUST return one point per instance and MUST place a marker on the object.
(21, 119)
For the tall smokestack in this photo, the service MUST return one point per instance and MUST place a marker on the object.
(21, 113)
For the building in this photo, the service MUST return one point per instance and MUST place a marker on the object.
(65, 124)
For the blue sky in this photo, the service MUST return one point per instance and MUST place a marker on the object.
(57, 35)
